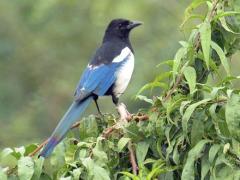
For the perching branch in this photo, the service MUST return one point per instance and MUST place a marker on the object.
(105, 134)
(132, 158)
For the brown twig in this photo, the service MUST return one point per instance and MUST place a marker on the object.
(170, 92)
(45, 142)
(109, 130)
(38, 148)
(106, 133)
(137, 118)
(132, 158)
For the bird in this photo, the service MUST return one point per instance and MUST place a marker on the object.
(108, 74)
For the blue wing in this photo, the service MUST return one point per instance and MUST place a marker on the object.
(100, 75)
(96, 80)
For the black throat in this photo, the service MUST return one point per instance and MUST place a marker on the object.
(110, 37)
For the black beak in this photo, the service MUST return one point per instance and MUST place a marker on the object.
(134, 24)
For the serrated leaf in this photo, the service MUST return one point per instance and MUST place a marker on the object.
(190, 75)
(189, 112)
(122, 143)
(193, 155)
(25, 168)
(205, 37)
(222, 57)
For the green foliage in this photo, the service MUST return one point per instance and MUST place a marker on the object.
(46, 45)
(193, 126)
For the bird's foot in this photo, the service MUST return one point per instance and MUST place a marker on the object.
(100, 114)
(123, 112)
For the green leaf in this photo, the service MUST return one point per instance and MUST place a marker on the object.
(233, 116)
(25, 168)
(76, 173)
(167, 62)
(122, 143)
(205, 166)
(188, 12)
(222, 57)
(190, 75)
(29, 149)
(38, 168)
(197, 130)
(236, 147)
(176, 154)
(205, 36)
(141, 151)
(225, 26)
(3, 176)
(7, 159)
(134, 177)
(193, 155)
(226, 13)
(215, 91)
(177, 60)
(213, 152)
(88, 127)
(144, 98)
(100, 155)
(70, 152)
(57, 158)
(95, 172)
(183, 105)
(151, 85)
(189, 112)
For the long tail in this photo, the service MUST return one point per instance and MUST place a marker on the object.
(70, 117)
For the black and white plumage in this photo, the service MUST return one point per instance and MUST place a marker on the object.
(110, 69)
(108, 73)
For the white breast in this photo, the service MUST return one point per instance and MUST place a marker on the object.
(124, 74)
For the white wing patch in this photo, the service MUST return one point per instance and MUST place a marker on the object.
(124, 53)
(124, 74)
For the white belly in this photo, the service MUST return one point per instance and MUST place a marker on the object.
(124, 75)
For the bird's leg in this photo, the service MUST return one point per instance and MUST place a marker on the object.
(121, 108)
(95, 98)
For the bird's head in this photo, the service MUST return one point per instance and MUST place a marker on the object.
(121, 28)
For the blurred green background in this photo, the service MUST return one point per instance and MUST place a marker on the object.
(45, 45)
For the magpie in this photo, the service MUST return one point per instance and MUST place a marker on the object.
(107, 74)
